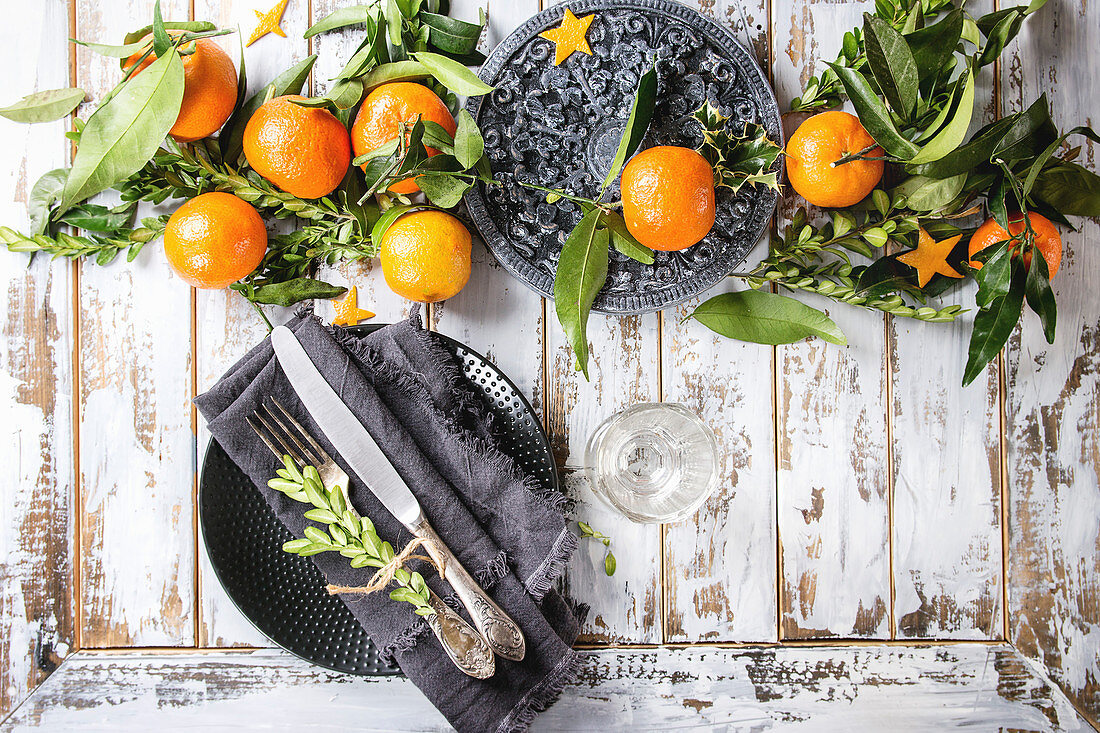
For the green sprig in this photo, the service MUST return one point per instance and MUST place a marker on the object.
(609, 563)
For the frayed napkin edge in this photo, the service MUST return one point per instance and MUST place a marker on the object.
(542, 695)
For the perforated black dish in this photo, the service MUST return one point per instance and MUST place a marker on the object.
(283, 595)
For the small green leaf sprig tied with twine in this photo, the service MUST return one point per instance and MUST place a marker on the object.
(738, 159)
(609, 563)
(351, 535)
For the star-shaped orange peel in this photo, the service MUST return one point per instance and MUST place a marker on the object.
(348, 312)
(570, 36)
(930, 257)
(269, 22)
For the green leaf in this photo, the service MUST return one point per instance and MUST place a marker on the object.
(452, 74)
(892, 64)
(765, 318)
(995, 276)
(581, 274)
(873, 113)
(933, 45)
(930, 194)
(123, 51)
(45, 192)
(1041, 161)
(468, 143)
(96, 218)
(340, 18)
(294, 546)
(451, 35)
(161, 40)
(290, 81)
(1040, 297)
(124, 133)
(586, 529)
(395, 71)
(289, 292)
(436, 136)
(641, 113)
(393, 21)
(999, 36)
(190, 26)
(386, 220)
(954, 132)
(624, 242)
(993, 326)
(317, 536)
(324, 516)
(443, 190)
(46, 106)
(609, 564)
(1070, 189)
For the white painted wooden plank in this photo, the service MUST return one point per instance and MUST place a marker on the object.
(1053, 392)
(137, 447)
(977, 687)
(831, 410)
(334, 49)
(36, 491)
(624, 366)
(495, 313)
(226, 325)
(721, 565)
(948, 554)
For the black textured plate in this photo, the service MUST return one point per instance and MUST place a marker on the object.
(284, 595)
(560, 126)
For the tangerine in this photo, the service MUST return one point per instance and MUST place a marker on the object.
(815, 147)
(209, 90)
(668, 197)
(385, 110)
(214, 240)
(1047, 239)
(305, 151)
(426, 256)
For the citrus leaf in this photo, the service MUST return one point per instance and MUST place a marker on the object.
(395, 71)
(1070, 189)
(443, 190)
(929, 194)
(993, 325)
(191, 26)
(954, 132)
(1040, 297)
(1040, 162)
(290, 81)
(123, 134)
(581, 274)
(451, 35)
(765, 318)
(289, 292)
(45, 106)
(45, 192)
(161, 40)
(386, 220)
(340, 18)
(641, 113)
(873, 113)
(933, 45)
(113, 51)
(468, 144)
(452, 74)
(624, 242)
(892, 64)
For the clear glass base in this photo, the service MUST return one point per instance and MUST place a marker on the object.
(654, 462)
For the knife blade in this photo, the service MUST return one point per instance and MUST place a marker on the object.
(354, 443)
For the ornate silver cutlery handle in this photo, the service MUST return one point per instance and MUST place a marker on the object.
(496, 627)
(463, 645)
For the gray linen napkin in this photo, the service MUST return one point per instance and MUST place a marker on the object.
(412, 396)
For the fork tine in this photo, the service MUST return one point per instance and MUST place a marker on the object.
(292, 435)
(262, 433)
(318, 451)
(276, 437)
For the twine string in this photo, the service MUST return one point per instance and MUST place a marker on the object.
(385, 574)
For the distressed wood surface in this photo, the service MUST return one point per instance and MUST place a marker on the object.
(137, 540)
(982, 687)
(946, 445)
(720, 566)
(1053, 392)
(226, 326)
(833, 488)
(35, 381)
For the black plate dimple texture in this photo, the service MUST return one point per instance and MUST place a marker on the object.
(560, 126)
(284, 595)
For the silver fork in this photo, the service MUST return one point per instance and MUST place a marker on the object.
(284, 435)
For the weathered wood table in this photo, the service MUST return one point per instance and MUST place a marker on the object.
(887, 550)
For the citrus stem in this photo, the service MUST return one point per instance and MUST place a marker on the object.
(851, 157)
(570, 197)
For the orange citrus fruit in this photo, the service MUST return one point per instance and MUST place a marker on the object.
(386, 108)
(214, 240)
(1047, 239)
(209, 90)
(668, 197)
(816, 145)
(426, 256)
(305, 151)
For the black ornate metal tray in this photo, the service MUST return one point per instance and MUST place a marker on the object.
(560, 126)
(284, 595)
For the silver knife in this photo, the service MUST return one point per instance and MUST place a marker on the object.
(362, 454)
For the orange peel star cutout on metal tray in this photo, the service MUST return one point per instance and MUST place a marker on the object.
(930, 257)
(269, 22)
(570, 36)
(348, 312)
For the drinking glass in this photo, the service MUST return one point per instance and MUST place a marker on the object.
(653, 462)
